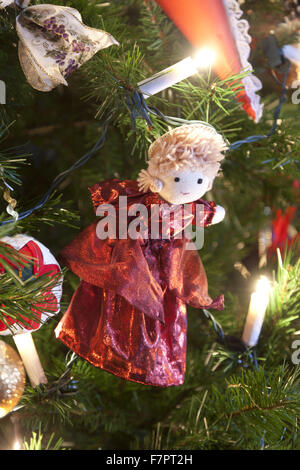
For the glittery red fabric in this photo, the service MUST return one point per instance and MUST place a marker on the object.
(128, 315)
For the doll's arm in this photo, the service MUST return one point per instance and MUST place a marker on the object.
(207, 213)
(218, 215)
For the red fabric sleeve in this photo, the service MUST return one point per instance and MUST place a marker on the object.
(203, 212)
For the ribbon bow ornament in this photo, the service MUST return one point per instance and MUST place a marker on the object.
(53, 42)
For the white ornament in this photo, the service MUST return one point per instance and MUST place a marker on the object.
(18, 242)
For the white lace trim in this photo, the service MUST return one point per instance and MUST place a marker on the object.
(239, 30)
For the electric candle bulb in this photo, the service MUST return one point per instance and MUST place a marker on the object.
(204, 58)
(17, 445)
(30, 358)
(256, 313)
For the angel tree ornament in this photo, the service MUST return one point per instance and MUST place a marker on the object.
(128, 315)
(36, 261)
(53, 42)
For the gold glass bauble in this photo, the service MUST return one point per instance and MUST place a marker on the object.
(12, 378)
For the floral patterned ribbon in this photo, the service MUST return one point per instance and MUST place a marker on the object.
(54, 42)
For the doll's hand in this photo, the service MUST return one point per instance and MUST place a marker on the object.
(219, 215)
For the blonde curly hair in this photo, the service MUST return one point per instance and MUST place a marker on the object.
(194, 146)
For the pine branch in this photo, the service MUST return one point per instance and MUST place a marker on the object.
(36, 442)
(10, 160)
(51, 213)
(251, 406)
(23, 301)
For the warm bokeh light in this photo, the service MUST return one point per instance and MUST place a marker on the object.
(263, 287)
(17, 445)
(256, 313)
(205, 57)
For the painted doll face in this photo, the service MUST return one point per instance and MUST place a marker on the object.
(184, 186)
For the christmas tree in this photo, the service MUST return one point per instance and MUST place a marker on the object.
(242, 386)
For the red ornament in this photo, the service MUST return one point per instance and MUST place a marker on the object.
(128, 315)
(281, 237)
(40, 262)
(216, 24)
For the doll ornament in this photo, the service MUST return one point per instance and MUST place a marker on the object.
(128, 315)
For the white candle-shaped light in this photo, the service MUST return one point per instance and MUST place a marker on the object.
(17, 445)
(256, 313)
(176, 73)
(30, 358)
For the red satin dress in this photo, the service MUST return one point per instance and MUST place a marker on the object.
(128, 315)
